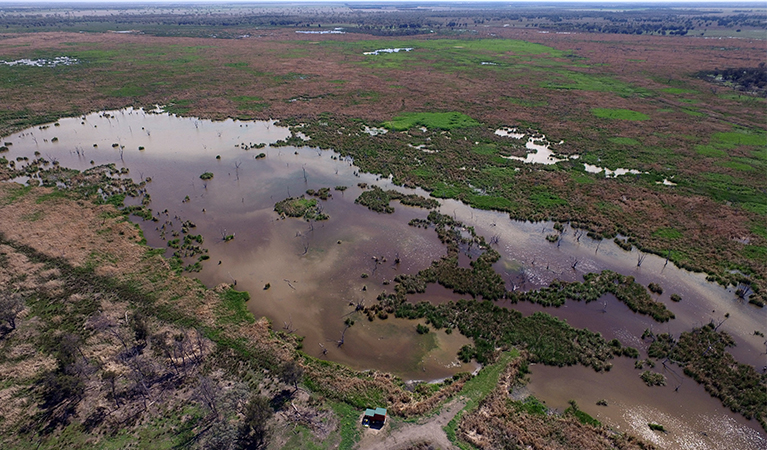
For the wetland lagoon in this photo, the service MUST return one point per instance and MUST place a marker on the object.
(312, 277)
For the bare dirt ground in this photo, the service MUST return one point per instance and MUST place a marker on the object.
(405, 435)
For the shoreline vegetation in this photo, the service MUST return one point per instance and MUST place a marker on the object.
(545, 339)
(134, 335)
(506, 186)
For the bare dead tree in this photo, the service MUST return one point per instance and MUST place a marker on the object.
(495, 239)
(208, 392)
(288, 326)
(110, 377)
(198, 342)
(667, 258)
(237, 169)
(340, 342)
(575, 264)
(743, 290)
(640, 258)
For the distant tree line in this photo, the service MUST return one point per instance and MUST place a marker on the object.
(746, 79)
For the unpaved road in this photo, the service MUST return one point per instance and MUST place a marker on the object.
(406, 434)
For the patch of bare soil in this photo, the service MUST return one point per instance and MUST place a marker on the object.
(426, 433)
(65, 228)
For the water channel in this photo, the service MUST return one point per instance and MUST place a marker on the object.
(315, 270)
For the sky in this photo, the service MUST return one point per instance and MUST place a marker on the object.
(298, 2)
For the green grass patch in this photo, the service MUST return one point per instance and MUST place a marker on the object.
(692, 112)
(677, 91)
(710, 151)
(547, 199)
(485, 149)
(737, 165)
(732, 139)
(582, 416)
(443, 190)
(347, 426)
(563, 79)
(619, 114)
(441, 121)
(178, 107)
(234, 308)
(745, 98)
(477, 389)
(452, 55)
(624, 141)
(668, 233)
(52, 196)
(490, 202)
(128, 91)
(582, 178)
(756, 252)
(759, 229)
(250, 103)
(758, 208)
(530, 405)
(424, 172)
(15, 193)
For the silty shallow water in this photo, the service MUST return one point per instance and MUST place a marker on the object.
(315, 281)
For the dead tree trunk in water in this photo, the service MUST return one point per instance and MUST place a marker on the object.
(340, 342)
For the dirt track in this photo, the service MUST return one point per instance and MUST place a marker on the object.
(429, 430)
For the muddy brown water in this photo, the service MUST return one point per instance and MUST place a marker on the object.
(315, 281)
(692, 419)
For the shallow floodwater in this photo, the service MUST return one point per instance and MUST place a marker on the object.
(692, 419)
(315, 270)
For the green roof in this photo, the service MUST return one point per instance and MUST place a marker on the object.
(378, 411)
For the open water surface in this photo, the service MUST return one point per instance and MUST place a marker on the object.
(315, 270)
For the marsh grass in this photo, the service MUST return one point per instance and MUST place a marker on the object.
(619, 114)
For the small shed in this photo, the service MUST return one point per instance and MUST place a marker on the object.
(374, 417)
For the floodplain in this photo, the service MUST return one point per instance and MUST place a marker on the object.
(571, 204)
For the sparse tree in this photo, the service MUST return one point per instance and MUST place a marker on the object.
(11, 304)
(254, 432)
(291, 373)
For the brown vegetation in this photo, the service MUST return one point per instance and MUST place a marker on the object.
(497, 423)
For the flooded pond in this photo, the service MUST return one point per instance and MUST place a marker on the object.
(318, 272)
(692, 419)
